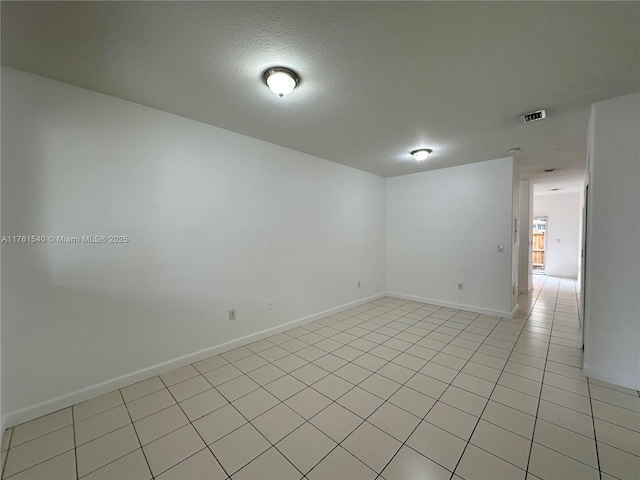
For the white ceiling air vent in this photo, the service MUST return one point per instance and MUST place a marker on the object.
(534, 116)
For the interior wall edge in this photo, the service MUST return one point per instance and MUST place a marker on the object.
(611, 376)
(26, 414)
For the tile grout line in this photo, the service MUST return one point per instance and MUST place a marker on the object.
(75, 443)
(595, 435)
(137, 437)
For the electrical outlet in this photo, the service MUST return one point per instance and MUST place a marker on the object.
(232, 315)
(460, 286)
(270, 304)
(358, 283)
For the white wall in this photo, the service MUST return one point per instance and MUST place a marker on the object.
(444, 227)
(563, 231)
(612, 287)
(216, 220)
(525, 274)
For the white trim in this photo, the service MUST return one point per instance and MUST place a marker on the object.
(458, 306)
(525, 290)
(64, 401)
(611, 377)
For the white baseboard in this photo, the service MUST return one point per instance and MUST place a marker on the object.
(611, 377)
(64, 401)
(525, 290)
(457, 306)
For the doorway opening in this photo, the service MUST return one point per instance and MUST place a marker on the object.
(539, 245)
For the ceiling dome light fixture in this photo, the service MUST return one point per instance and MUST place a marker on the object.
(280, 80)
(421, 154)
(514, 150)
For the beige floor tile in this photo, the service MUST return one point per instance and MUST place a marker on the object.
(159, 424)
(360, 402)
(305, 447)
(371, 445)
(201, 466)
(478, 464)
(140, 389)
(410, 465)
(96, 405)
(278, 422)
(502, 443)
(395, 372)
(437, 445)
(525, 371)
(332, 386)
(618, 437)
(514, 399)
(101, 424)
(427, 385)
(149, 404)
(289, 363)
(566, 399)
(211, 363)
(464, 400)
(439, 372)
(132, 466)
(274, 353)
(473, 384)
(521, 384)
(38, 450)
(380, 386)
(179, 375)
(331, 363)
(238, 387)
(6, 439)
(285, 387)
(566, 418)
(352, 373)
(509, 419)
(412, 401)
(106, 449)
(41, 426)
(618, 463)
(370, 362)
(250, 363)
(255, 403)
(340, 464)
(189, 388)
(308, 402)
(236, 354)
(266, 374)
(309, 373)
(62, 467)
(548, 464)
(565, 441)
(336, 422)
(217, 424)
(457, 422)
(394, 421)
(173, 448)
(239, 448)
(202, 404)
(271, 465)
(222, 374)
(619, 416)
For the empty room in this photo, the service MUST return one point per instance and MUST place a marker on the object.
(320, 240)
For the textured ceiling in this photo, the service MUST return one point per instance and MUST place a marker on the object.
(378, 78)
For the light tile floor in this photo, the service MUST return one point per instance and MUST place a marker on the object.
(389, 390)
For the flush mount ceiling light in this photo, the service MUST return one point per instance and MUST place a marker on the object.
(514, 150)
(280, 80)
(421, 154)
